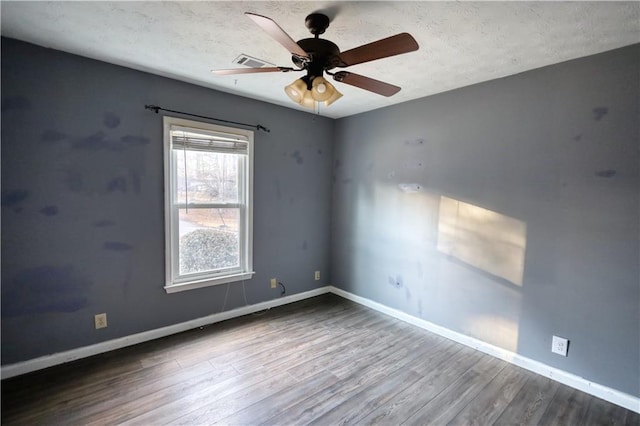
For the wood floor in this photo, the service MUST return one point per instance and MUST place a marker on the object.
(323, 361)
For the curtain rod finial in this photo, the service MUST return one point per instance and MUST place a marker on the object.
(152, 108)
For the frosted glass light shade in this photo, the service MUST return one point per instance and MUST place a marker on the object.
(307, 100)
(336, 95)
(296, 90)
(321, 89)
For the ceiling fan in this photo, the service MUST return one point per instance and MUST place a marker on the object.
(317, 56)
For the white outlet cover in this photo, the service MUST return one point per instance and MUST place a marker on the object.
(100, 320)
(559, 345)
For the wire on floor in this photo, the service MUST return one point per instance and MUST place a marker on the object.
(226, 294)
(244, 293)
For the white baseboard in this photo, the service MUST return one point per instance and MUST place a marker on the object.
(46, 361)
(608, 394)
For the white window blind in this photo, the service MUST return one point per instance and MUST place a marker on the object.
(202, 140)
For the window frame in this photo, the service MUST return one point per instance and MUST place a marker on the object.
(174, 281)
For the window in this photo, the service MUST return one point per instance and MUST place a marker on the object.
(208, 196)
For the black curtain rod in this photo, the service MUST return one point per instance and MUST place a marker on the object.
(156, 108)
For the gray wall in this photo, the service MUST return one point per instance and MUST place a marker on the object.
(82, 201)
(555, 149)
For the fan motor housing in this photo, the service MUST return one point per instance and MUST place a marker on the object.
(324, 54)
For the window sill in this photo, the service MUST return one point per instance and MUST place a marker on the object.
(192, 285)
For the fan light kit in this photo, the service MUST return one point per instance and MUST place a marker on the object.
(318, 56)
(307, 92)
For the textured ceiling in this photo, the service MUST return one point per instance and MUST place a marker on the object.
(461, 43)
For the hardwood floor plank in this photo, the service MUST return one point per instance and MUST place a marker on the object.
(238, 401)
(297, 353)
(360, 341)
(398, 351)
(90, 397)
(369, 399)
(485, 408)
(386, 357)
(199, 337)
(444, 407)
(260, 346)
(169, 406)
(567, 407)
(324, 360)
(303, 364)
(239, 330)
(231, 403)
(281, 401)
(603, 413)
(530, 403)
(380, 363)
(268, 350)
(447, 365)
(227, 346)
(168, 392)
(118, 396)
(197, 398)
(78, 373)
(631, 419)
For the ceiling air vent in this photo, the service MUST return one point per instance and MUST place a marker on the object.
(250, 61)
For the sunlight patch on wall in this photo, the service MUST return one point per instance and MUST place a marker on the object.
(496, 330)
(482, 238)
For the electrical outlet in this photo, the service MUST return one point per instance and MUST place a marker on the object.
(100, 321)
(559, 345)
(274, 283)
(317, 276)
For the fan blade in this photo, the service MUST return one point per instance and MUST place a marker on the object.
(250, 70)
(390, 46)
(366, 83)
(278, 34)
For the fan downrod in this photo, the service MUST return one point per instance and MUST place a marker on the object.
(317, 23)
